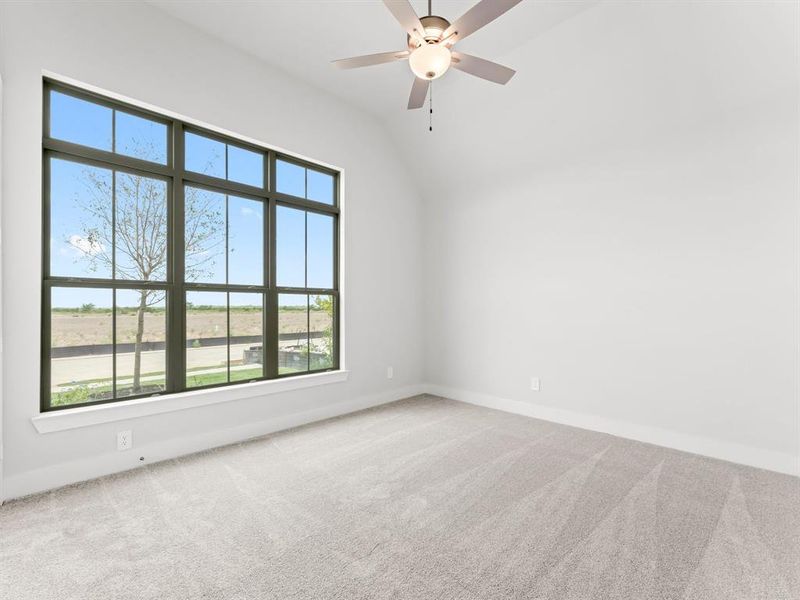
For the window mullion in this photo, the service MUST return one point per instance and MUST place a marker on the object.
(271, 337)
(336, 284)
(308, 332)
(176, 338)
(113, 268)
(114, 344)
(271, 316)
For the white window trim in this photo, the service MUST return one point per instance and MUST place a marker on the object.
(86, 416)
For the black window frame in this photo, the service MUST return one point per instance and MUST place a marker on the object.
(176, 287)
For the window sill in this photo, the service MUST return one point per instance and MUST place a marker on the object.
(131, 409)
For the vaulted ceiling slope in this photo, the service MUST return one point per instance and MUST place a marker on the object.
(610, 81)
(592, 77)
(303, 37)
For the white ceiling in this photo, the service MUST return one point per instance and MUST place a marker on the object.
(303, 37)
(593, 78)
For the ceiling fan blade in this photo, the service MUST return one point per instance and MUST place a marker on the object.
(419, 91)
(485, 69)
(370, 59)
(408, 19)
(483, 13)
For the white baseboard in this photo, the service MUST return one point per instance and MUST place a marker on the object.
(59, 475)
(737, 453)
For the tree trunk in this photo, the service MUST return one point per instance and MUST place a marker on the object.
(137, 349)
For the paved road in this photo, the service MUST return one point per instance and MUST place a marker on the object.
(81, 368)
(65, 371)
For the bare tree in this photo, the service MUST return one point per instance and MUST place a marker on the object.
(135, 224)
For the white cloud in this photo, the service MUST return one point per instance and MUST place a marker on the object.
(85, 245)
(247, 211)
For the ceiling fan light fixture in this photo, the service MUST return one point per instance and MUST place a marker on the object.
(429, 40)
(430, 61)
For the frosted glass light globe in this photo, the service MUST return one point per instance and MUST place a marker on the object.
(430, 61)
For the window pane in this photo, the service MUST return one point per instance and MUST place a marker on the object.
(140, 138)
(204, 155)
(304, 183)
(80, 220)
(115, 228)
(291, 247)
(80, 122)
(141, 228)
(245, 241)
(321, 333)
(290, 179)
(320, 251)
(245, 166)
(292, 333)
(204, 239)
(81, 367)
(206, 338)
(218, 159)
(247, 336)
(141, 342)
(320, 187)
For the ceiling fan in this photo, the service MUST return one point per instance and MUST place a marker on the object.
(430, 43)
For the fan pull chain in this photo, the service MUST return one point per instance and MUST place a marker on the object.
(430, 108)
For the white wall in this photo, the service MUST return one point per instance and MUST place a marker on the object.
(138, 51)
(621, 221)
(626, 228)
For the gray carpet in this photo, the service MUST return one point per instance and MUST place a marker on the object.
(424, 498)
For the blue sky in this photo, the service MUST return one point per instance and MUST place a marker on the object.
(73, 184)
(207, 156)
(298, 181)
(70, 187)
(245, 225)
(90, 124)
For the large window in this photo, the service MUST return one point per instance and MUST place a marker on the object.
(176, 258)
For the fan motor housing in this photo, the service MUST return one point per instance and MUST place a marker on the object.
(434, 29)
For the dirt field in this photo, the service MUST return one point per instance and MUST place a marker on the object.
(78, 329)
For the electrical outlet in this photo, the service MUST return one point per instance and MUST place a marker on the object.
(389, 372)
(124, 440)
(536, 384)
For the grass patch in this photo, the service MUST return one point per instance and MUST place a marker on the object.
(203, 379)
